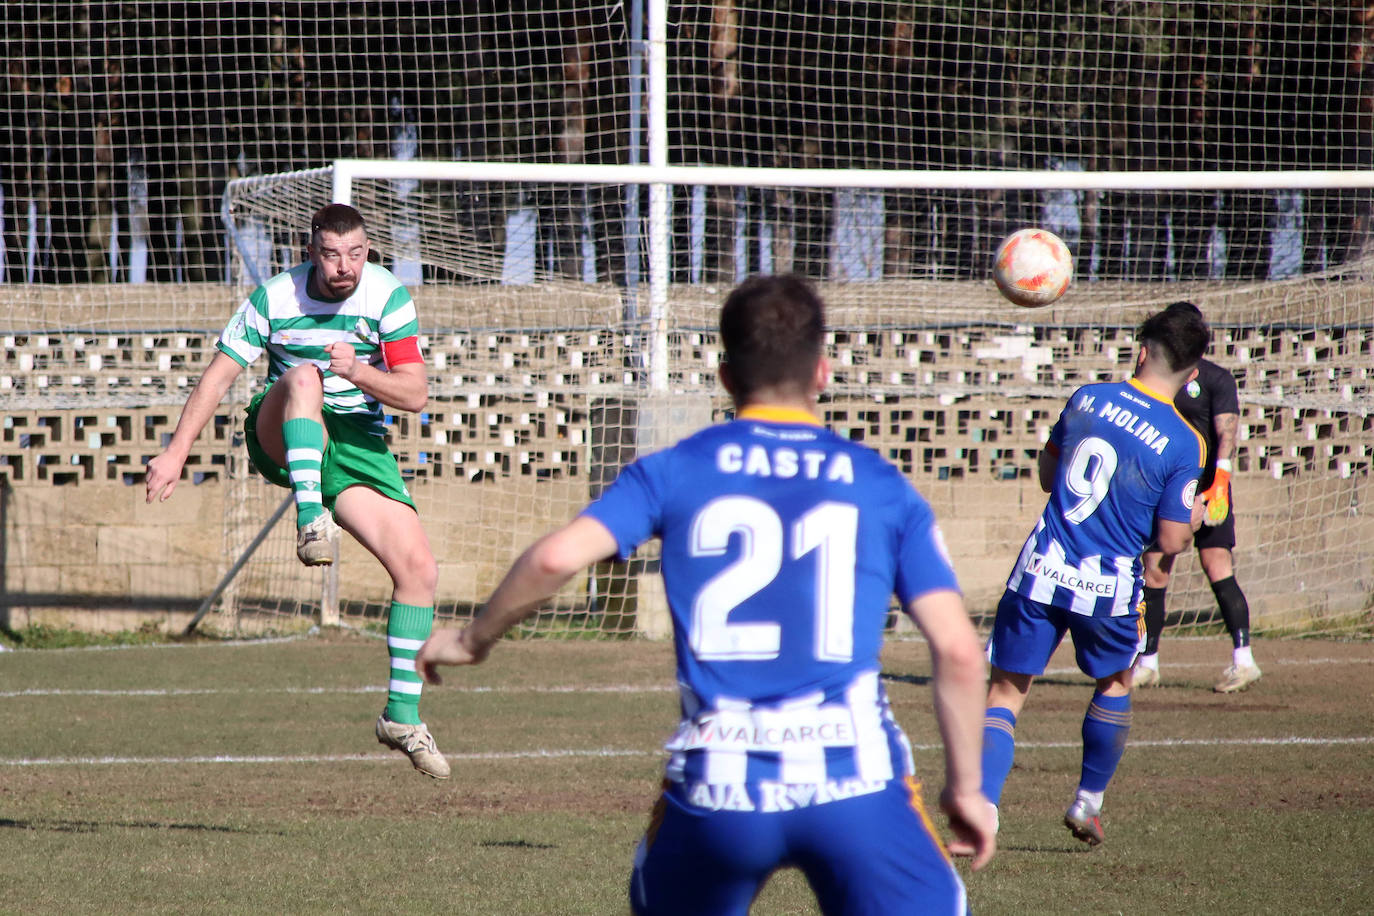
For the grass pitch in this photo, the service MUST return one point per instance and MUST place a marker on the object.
(245, 779)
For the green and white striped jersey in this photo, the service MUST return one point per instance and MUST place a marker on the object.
(282, 319)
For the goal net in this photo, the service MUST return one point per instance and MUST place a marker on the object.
(568, 327)
(559, 347)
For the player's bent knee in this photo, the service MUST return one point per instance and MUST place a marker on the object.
(303, 380)
(414, 570)
(428, 575)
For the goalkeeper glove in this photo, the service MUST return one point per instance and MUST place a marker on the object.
(1218, 495)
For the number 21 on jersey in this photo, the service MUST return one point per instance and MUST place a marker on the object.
(829, 528)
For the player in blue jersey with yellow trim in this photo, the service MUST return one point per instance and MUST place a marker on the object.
(1121, 469)
(782, 545)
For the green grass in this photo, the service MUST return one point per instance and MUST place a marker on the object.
(42, 636)
(110, 801)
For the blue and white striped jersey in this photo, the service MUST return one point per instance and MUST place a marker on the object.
(782, 546)
(1126, 458)
(292, 327)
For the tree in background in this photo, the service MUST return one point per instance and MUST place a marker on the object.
(121, 123)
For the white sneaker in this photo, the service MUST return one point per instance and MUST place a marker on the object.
(315, 541)
(415, 742)
(1237, 678)
(1142, 676)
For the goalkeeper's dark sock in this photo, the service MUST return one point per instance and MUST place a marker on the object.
(407, 628)
(304, 441)
(1235, 610)
(1105, 728)
(1154, 618)
(999, 750)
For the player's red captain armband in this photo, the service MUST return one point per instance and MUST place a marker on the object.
(399, 352)
(1052, 449)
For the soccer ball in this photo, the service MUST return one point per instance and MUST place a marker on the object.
(1033, 267)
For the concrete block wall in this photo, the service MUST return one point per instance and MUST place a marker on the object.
(514, 440)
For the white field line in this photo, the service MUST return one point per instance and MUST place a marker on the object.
(1221, 662)
(378, 688)
(357, 631)
(564, 753)
(1291, 741)
(549, 689)
(537, 754)
(128, 647)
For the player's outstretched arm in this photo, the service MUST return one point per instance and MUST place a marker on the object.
(960, 682)
(540, 571)
(164, 470)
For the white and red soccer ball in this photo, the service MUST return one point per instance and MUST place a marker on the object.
(1033, 267)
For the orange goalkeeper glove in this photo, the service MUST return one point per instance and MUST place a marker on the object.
(1218, 496)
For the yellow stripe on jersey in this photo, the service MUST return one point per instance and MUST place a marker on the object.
(656, 816)
(1201, 442)
(1143, 388)
(772, 414)
(914, 790)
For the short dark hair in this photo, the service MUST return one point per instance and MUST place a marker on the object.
(339, 219)
(1179, 333)
(772, 329)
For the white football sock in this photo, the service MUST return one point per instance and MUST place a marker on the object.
(1242, 657)
(1093, 799)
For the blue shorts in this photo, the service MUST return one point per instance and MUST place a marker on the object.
(873, 854)
(1026, 633)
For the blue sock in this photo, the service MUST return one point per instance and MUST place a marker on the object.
(1105, 728)
(999, 750)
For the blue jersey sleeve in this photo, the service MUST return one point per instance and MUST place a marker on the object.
(631, 507)
(923, 563)
(1057, 431)
(1176, 504)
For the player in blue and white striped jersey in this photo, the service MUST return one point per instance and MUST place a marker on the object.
(1121, 469)
(782, 545)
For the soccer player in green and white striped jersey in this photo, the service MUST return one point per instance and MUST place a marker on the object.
(341, 339)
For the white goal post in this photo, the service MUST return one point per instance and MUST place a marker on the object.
(346, 171)
(660, 177)
(549, 368)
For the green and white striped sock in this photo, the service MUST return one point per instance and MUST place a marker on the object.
(304, 441)
(407, 628)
